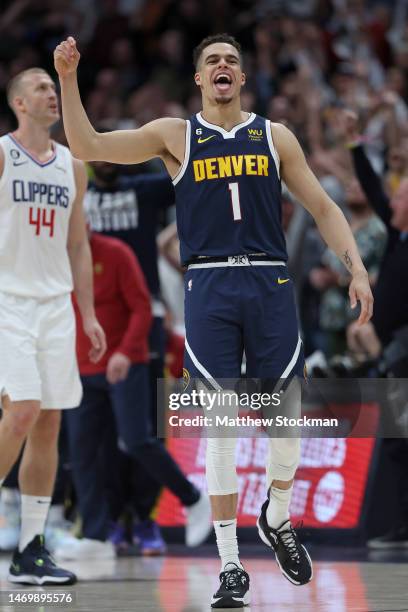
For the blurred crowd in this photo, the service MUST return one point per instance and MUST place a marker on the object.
(334, 71)
(301, 57)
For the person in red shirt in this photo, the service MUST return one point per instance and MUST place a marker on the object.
(119, 384)
(123, 302)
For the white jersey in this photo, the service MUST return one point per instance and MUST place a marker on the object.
(35, 207)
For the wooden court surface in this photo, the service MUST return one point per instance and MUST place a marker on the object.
(185, 584)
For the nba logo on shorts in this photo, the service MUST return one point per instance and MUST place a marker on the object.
(186, 378)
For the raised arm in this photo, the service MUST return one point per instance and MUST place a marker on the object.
(370, 183)
(369, 180)
(160, 138)
(329, 218)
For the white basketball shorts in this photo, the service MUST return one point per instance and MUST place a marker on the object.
(38, 352)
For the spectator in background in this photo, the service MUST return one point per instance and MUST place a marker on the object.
(119, 384)
(389, 330)
(111, 25)
(331, 279)
(129, 208)
(391, 312)
(397, 163)
(346, 52)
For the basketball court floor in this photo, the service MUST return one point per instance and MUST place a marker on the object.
(344, 580)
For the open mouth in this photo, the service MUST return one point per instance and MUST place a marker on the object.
(222, 82)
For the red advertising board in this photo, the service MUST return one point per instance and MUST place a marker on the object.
(328, 491)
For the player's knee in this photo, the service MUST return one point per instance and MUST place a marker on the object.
(286, 448)
(20, 419)
(283, 459)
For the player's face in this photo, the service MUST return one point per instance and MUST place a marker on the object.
(220, 76)
(399, 207)
(38, 99)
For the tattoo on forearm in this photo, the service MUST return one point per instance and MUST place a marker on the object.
(347, 260)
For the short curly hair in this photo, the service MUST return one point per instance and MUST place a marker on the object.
(210, 40)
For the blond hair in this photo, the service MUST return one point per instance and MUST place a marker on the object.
(14, 85)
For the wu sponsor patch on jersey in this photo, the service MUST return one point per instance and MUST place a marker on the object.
(255, 135)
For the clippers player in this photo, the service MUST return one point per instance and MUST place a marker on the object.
(44, 250)
(227, 166)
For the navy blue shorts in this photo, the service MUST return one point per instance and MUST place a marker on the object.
(229, 310)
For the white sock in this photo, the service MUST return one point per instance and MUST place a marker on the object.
(1, 481)
(277, 511)
(227, 542)
(34, 510)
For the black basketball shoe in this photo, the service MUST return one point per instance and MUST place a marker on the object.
(34, 565)
(292, 557)
(234, 588)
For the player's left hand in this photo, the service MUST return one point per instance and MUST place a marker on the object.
(97, 337)
(360, 291)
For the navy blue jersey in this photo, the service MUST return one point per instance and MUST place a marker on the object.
(129, 210)
(228, 191)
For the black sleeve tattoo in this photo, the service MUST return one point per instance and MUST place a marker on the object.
(347, 260)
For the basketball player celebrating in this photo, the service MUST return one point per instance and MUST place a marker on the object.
(43, 251)
(227, 166)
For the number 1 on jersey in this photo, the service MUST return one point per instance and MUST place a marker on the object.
(236, 206)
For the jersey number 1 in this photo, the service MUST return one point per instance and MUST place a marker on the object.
(236, 206)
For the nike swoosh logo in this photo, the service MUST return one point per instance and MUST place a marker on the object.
(201, 140)
(227, 525)
(60, 168)
(20, 164)
(282, 281)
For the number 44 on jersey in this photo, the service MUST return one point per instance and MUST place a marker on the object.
(42, 219)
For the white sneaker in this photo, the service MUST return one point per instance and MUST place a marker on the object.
(58, 530)
(76, 550)
(9, 519)
(198, 521)
(56, 538)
